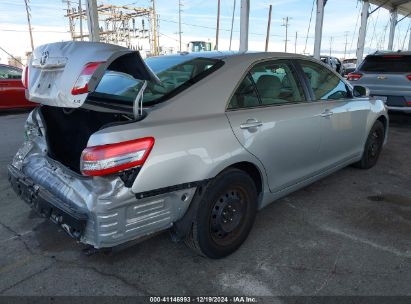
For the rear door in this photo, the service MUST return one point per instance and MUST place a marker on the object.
(344, 118)
(272, 118)
(63, 74)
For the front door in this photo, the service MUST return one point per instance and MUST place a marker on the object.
(344, 119)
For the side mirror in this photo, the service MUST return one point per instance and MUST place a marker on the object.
(360, 91)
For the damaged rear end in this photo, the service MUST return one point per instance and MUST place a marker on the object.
(87, 190)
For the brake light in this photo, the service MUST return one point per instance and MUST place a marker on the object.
(108, 159)
(81, 85)
(409, 77)
(409, 103)
(25, 77)
(354, 76)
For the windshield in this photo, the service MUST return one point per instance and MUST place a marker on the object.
(387, 64)
(175, 72)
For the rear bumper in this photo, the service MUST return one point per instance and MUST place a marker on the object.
(46, 204)
(399, 109)
(100, 212)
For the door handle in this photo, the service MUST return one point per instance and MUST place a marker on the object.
(4, 84)
(327, 113)
(251, 123)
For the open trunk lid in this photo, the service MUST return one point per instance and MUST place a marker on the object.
(54, 70)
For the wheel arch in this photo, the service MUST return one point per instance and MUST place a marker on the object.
(183, 226)
(252, 170)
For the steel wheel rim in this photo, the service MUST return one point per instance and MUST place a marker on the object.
(227, 215)
(375, 145)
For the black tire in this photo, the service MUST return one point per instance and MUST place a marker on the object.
(373, 147)
(225, 215)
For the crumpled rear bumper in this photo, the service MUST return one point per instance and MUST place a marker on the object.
(100, 212)
(48, 205)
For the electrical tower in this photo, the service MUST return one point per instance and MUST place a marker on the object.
(132, 27)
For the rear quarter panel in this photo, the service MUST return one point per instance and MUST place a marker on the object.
(185, 151)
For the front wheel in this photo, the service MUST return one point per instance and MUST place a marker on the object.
(225, 215)
(373, 147)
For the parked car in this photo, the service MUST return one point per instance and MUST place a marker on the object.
(388, 76)
(12, 89)
(196, 143)
(334, 63)
(349, 66)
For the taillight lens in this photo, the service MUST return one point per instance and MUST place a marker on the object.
(354, 76)
(113, 158)
(25, 77)
(81, 85)
(409, 77)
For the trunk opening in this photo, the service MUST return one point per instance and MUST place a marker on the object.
(68, 131)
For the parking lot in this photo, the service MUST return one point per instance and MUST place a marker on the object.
(348, 234)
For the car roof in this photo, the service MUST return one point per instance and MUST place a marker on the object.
(9, 66)
(246, 56)
(391, 53)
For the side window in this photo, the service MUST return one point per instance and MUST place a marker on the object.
(9, 73)
(277, 83)
(245, 96)
(324, 83)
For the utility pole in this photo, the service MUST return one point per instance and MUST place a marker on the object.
(179, 22)
(346, 43)
(244, 25)
(295, 43)
(286, 24)
(218, 26)
(319, 21)
(80, 10)
(92, 21)
(331, 44)
(267, 38)
(232, 25)
(155, 48)
(29, 23)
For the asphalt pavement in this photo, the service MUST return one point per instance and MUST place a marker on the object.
(348, 234)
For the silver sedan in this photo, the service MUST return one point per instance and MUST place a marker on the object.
(123, 148)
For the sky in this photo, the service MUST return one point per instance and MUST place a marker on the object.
(341, 23)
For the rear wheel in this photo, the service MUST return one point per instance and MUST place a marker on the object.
(225, 215)
(373, 147)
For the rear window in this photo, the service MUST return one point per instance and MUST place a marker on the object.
(176, 74)
(387, 64)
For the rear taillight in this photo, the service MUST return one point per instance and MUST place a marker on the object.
(25, 77)
(409, 77)
(409, 103)
(113, 158)
(354, 76)
(81, 85)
